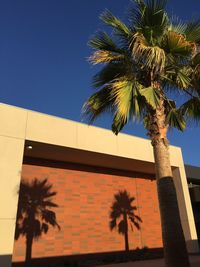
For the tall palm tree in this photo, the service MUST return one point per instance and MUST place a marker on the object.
(145, 64)
(121, 213)
(34, 213)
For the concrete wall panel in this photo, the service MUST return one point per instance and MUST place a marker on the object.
(13, 121)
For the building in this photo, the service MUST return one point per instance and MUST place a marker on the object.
(85, 168)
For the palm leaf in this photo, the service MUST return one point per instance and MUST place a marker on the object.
(151, 56)
(137, 105)
(122, 91)
(151, 95)
(183, 77)
(175, 119)
(127, 102)
(103, 41)
(106, 49)
(177, 45)
(178, 76)
(108, 73)
(109, 19)
(169, 104)
(97, 104)
(192, 31)
(136, 111)
(103, 56)
(191, 109)
(178, 26)
(150, 19)
(117, 124)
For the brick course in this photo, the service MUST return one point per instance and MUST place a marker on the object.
(84, 197)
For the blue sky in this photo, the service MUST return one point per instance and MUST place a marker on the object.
(43, 52)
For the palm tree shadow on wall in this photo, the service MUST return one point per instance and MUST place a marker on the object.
(35, 214)
(122, 215)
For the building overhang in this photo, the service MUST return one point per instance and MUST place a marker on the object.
(60, 139)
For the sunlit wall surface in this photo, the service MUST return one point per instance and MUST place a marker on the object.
(84, 196)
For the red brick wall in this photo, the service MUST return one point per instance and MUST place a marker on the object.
(84, 197)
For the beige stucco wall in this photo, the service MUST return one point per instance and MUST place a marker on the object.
(12, 136)
(18, 125)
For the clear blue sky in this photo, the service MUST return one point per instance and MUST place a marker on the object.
(43, 51)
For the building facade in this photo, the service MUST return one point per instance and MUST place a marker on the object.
(78, 177)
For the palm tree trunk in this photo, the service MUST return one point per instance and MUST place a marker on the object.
(126, 232)
(175, 250)
(173, 238)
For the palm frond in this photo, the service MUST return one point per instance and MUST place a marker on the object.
(104, 56)
(109, 19)
(122, 91)
(117, 124)
(151, 56)
(136, 13)
(151, 95)
(103, 41)
(127, 102)
(177, 45)
(106, 49)
(191, 109)
(150, 18)
(108, 73)
(177, 25)
(138, 106)
(179, 77)
(169, 104)
(192, 31)
(97, 104)
(175, 119)
(183, 79)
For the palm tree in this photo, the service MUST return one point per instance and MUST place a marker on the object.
(34, 213)
(146, 63)
(121, 212)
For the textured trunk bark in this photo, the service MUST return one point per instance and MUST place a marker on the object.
(175, 250)
(126, 233)
(173, 238)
